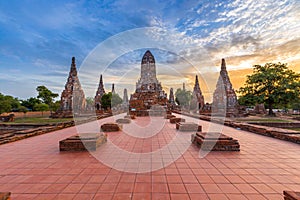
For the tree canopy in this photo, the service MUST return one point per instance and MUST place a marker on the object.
(30, 103)
(46, 95)
(273, 84)
(110, 100)
(8, 103)
(183, 97)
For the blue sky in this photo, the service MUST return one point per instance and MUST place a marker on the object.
(38, 39)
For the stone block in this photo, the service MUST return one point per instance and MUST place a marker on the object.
(5, 195)
(215, 142)
(129, 117)
(291, 195)
(110, 127)
(123, 121)
(83, 142)
(169, 116)
(188, 126)
(175, 120)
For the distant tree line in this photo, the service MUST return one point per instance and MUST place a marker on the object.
(43, 102)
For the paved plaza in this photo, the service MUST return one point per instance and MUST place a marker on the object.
(34, 168)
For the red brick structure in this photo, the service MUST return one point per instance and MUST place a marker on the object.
(100, 92)
(72, 98)
(224, 97)
(110, 127)
(171, 98)
(188, 126)
(215, 141)
(175, 120)
(197, 101)
(148, 91)
(84, 142)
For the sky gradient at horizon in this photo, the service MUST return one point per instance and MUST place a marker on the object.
(38, 38)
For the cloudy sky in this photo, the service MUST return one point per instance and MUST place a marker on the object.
(38, 39)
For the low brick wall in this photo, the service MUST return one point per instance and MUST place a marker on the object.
(291, 195)
(40, 129)
(188, 126)
(175, 120)
(278, 124)
(215, 141)
(83, 142)
(278, 133)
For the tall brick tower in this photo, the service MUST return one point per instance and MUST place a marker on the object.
(197, 101)
(224, 97)
(100, 92)
(148, 91)
(72, 97)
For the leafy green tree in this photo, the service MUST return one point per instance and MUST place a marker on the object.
(5, 105)
(183, 97)
(116, 100)
(89, 102)
(55, 105)
(273, 84)
(46, 95)
(41, 107)
(29, 103)
(8, 103)
(110, 100)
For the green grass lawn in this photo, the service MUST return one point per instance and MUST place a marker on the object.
(294, 129)
(39, 120)
(262, 120)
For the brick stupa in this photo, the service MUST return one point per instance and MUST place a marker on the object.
(148, 91)
(100, 92)
(197, 101)
(224, 97)
(72, 98)
(171, 97)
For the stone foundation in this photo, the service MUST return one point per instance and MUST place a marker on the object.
(278, 133)
(291, 195)
(175, 120)
(188, 126)
(129, 117)
(82, 142)
(123, 121)
(211, 141)
(5, 195)
(7, 118)
(169, 116)
(110, 127)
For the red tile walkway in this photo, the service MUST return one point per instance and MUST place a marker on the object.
(35, 169)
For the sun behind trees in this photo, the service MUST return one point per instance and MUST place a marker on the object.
(272, 84)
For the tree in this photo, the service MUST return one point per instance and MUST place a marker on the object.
(46, 96)
(29, 103)
(5, 105)
(8, 103)
(55, 105)
(89, 103)
(273, 84)
(41, 107)
(116, 100)
(183, 97)
(110, 100)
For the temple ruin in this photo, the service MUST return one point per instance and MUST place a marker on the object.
(100, 92)
(148, 91)
(197, 100)
(224, 97)
(72, 98)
